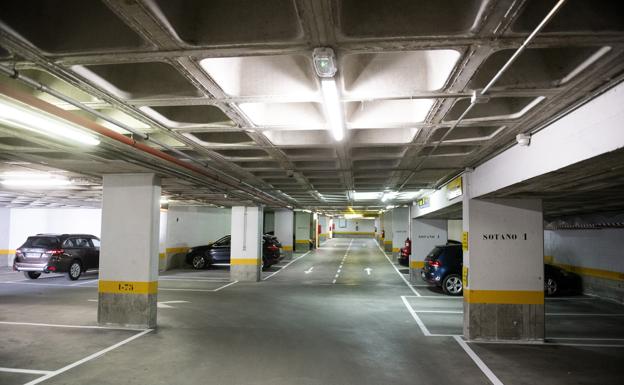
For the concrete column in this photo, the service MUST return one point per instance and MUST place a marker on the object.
(400, 226)
(503, 270)
(303, 223)
(284, 226)
(6, 254)
(324, 222)
(128, 281)
(426, 234)
(377, 228)
(387, 246)
(246, 243)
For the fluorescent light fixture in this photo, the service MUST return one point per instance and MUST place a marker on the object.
(333, 108)
(33, 180)
(389, 207)
(353, 216)
(19, 116)
(366, 196)
(389, 195)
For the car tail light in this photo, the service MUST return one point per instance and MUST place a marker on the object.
(435, 263)
(56, 252)
(18, 253)
(52, 268)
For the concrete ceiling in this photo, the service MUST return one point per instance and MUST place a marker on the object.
(231, 83)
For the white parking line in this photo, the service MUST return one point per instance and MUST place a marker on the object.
(398, 272)
(484, 368)
(224, 286)
(68, 326)
(25, 371)
(88, 358)
(285, 266)
(585, 315)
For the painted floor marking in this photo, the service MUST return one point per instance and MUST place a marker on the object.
(482, 366)
(68, 326)
(285, 266)
(25, 371)
(342, 262)
(88, 358)
(399, 273)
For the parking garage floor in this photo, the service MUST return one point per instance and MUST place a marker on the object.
(342, 314)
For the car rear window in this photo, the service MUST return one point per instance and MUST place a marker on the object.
(435, 253)
(41, 242)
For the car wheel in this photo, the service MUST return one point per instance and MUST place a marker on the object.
(75, 269)
(452, 285)
(198, 262)
(550, 286)
(32, 274)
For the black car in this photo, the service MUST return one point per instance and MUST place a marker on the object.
(218, 252)
(58, 253)
(443, 268)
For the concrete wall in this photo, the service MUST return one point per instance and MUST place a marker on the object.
(455, 229)
(596, 255)
(323, 221)
(400, 228)
(358, 228)
(25, 222)
(192, 226)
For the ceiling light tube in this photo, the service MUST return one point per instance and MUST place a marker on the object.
(18, 116)
(333, 108)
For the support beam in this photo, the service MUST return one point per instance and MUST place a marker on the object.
(128, 281)
(246, 243)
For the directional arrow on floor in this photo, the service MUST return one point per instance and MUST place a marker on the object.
(160, 305)
(368, 270)
(309, 270)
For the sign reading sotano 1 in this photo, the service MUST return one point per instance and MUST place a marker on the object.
(505, 237)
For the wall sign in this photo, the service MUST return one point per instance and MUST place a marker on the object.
(465, 241)
(454, 188)
(423, 202)
(505, 237)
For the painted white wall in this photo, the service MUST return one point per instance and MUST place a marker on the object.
(246, 243)
(597, 249)
(26, 222)
(455, 229)
(361, 225)
(269, 221)
(400, 226)
(194, 226)
(426, 234)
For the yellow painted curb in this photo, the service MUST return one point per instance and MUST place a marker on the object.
(244, 262)
(590, 272)
(514, 297)
(302, 241)
(128, 287)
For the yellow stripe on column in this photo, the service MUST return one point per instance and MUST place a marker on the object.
(395, 249)
(302, 241)
(514, 297)
(244, 261)
(417, 264)
(7, 251)
(128, 287)
(287, 248)
(388, 242)
(177, 250)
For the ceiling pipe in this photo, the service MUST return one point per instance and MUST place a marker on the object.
(14, 74)
(479, 95)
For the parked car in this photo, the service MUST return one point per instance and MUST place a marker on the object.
(443, 268)
(58, 253)
(218, 252)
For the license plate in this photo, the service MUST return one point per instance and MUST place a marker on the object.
(33, 255)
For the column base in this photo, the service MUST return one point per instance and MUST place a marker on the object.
(518, 322)
(302, 247)
(247, 273)
(127, 310)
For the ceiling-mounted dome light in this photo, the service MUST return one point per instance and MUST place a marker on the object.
(324, 62)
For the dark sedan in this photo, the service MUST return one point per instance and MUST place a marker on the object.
(218, 252)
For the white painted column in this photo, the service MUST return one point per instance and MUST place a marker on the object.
(246, 243)
(387, 246)
(303, 222)
(284, 231)
(504, 270)
(400, 227)
(6, 254)
(323, 221)
(426, 234)
(378, 227)
(128, 282)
